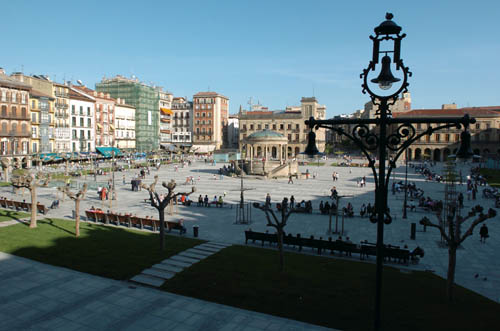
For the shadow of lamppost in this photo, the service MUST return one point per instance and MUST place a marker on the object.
(387, 144)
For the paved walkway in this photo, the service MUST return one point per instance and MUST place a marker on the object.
(159, 273)
(42, 297)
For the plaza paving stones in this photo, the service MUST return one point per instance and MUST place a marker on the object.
(37, 296)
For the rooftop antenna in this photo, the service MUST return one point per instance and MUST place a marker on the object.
(250, 104)
(313, 91)
(22, 68)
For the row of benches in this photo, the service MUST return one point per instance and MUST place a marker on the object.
(18, 205)
(364, 250)
(132, 221)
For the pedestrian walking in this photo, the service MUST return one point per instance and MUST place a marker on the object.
(268, 200)
(483, 233)
(290, 180)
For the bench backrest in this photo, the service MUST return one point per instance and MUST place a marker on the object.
(91, 215)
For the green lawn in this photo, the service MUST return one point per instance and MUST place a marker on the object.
(8, 215)
(332, 293)
(2, 184)
(105, 251)
(492, 176)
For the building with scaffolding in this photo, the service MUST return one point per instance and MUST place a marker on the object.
(145, 100)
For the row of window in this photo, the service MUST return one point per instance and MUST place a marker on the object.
(203, 131)
(197, 114)
(13, 112)
(82, 122)
(73, 111)
(14, 97)
(477, 126)
(13, 128)
(203, 107)
(209, 122)
(274, 126)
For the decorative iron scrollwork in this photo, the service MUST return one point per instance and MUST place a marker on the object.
(368, 139)
(404, 132)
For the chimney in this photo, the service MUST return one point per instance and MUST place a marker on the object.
(449, 106)
(108, 95)
(95, 93)
(2, 71)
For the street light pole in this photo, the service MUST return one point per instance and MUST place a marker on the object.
(402, 134)
(406, 185)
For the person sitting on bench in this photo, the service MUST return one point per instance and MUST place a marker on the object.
(55, 204)
(181, 225)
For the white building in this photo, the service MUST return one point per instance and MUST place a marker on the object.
(165, 118)
(124, 125)
(182, 123)
(82, 112)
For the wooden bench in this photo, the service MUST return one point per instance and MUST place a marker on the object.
(124, 220)
(91, 215)
(112, 218)
(17, 205)
(10, 204)
(3, 203)
(42, 209)
(136, 222)
(100, 217)
(26, 206)
(175, 226)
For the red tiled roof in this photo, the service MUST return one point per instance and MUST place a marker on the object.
(258, 112)
(78, 96)
(475, 111)
(90, 92)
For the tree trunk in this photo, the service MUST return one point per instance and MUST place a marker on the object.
(161, 212)
(77, 217)
(452, 262)
(66, 173)
(6, 173)
(280, 248)
(33, 207)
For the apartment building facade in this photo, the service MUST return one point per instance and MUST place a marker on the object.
(62, 118)
(15, 124)
(182, 123)
(165, 116)
(211, 114)
(82, 122)
(104, 117)
(124, 125)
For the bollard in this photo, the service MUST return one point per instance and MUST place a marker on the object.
(413, 231)
(195, 231)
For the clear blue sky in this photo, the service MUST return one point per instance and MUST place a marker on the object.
(273, 51)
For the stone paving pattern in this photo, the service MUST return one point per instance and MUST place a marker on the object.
(36, 296)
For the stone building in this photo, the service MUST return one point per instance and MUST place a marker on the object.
(211, 112)
(288, 122)
(15, 126)
(485, 132)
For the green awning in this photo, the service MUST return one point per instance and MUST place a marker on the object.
(108, 151)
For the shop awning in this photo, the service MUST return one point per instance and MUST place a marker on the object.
(166, 111)
(202, 149)
(112, 126)
(45, 157)
(108, 151)
(99, 126)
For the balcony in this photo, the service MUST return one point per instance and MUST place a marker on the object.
(61, 94)
(61, 105)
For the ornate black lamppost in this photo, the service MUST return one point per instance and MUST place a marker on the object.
(363, 134)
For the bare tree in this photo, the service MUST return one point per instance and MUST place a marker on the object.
(279, 225)
(31, 182)
(6, 166)
(160, 202)
(76, 197)
(454, 238)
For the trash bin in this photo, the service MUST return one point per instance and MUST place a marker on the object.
(195, 231)
(73, 213)
(413, 231)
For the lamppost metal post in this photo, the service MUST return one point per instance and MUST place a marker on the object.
(402, 134)
(406, 185)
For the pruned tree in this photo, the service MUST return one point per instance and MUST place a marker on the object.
(31, 182)
(453, 237)
(6, 167)
(161, 202)
(277, 223)
(76, 197)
